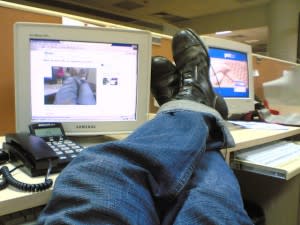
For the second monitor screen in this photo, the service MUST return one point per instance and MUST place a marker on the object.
(229, 72)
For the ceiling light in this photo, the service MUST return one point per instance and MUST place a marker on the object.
(223, 32)
(251, 41)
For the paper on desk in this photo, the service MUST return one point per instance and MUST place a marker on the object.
(292, 119)
(259, 125)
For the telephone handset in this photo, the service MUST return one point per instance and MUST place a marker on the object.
(33, 156)
(30, 150)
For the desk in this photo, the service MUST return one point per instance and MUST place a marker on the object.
(245, 138)
(12, 200)
(280, 199)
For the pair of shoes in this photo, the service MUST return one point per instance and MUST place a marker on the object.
(188, 78)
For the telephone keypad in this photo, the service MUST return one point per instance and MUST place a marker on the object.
(65, 149)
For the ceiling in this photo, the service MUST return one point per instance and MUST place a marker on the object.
(163, 16)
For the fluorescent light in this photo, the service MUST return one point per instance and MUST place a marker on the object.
(251, 41)
(223, 32)
(256, 73)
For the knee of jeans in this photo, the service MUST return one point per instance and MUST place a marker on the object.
(213, 174)
(218, 190)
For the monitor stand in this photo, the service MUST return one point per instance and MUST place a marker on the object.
(87, 141)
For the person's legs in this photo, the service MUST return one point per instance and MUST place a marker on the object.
(135, 180)
(85, 94)
(212, 196)
(68, 93)
(125, 182)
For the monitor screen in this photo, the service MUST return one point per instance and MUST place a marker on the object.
(93, 80)
(231, 73)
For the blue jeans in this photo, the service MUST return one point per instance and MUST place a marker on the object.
(163, 173)
(74, 92)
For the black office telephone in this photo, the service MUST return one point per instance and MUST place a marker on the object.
(30, 150)
(45, 150)
(24, 152)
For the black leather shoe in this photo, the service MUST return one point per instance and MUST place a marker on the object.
(192, 62)
(164, 79)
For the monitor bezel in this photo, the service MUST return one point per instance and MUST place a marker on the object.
(236, 105)
(23, 32)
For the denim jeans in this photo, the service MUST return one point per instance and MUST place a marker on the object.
(74, 92)
(169, 171)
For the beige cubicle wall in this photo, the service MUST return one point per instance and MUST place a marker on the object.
(8, 17)
(271, 69)
(268, 69)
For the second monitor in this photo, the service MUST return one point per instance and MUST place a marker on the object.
(231, 73)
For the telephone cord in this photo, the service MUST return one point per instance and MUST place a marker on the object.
(7, 179)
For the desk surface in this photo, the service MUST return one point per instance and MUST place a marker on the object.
(12, 200)
(245, 138)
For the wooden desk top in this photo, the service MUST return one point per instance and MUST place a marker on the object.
(12, 200)
(245, 138)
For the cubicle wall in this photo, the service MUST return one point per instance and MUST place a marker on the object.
(269, 69)
(8, 17)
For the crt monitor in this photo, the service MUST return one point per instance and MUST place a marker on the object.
(92, 80)
(231, 73)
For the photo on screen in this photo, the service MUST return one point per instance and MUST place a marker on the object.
(70, 86)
